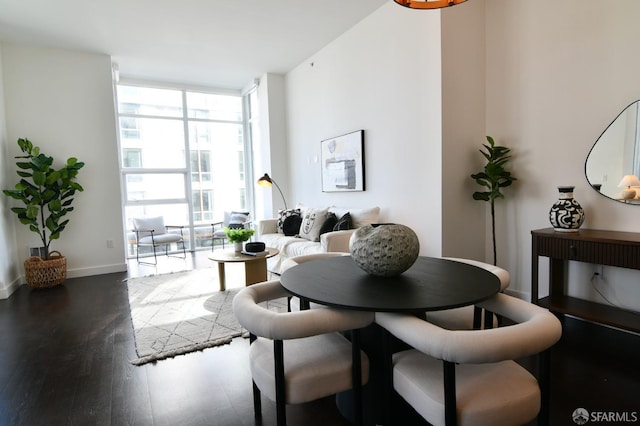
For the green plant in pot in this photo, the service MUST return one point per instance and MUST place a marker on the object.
(237, 236)
(494, 178)
(47, 194)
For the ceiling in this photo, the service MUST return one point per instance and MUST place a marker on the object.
(219, 43)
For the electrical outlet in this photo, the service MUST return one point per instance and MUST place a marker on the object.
(109, 243)
(598, 273)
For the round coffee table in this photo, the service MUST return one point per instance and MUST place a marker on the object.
(255, 267)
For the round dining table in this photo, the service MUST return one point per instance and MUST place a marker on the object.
(430, 284)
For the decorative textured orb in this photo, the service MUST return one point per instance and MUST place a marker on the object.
(384, 249)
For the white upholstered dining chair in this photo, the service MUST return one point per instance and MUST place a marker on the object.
(294, 302)
(470, 317)
(297, 357)
(469, 377)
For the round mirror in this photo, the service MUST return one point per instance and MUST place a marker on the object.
(613, 164)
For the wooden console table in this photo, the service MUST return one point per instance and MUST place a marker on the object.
(611, 248)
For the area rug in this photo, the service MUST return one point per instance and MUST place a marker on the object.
(178, 313)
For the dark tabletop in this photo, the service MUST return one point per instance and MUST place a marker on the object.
(430, 284)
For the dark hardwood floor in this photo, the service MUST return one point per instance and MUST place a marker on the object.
(65, 360)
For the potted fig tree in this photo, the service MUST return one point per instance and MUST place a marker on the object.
(494, 177)
(47, 194)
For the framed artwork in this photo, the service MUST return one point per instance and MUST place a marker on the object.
(342, 163)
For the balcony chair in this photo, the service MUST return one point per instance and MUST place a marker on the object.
(468, 377)
(470, 317)
(297, 357)
(231, 219)
(152, 232)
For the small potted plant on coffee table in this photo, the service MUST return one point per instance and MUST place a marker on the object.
(237, 236)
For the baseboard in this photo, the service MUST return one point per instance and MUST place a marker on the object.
(96, 270)
(71, 273)
(8, 290)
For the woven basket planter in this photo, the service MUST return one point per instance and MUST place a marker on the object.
(46, 273)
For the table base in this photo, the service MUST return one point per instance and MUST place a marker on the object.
(255, 272)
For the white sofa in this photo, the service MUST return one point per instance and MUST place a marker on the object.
(292, 246)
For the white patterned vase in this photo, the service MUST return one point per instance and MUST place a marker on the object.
(566, 215)
(385, 249)
(237, 246)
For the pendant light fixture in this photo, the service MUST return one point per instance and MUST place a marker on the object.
(428, 4)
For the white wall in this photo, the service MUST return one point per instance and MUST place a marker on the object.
(9, 271)
(463, 124)
(557, 74)
(542, 78)
(270, 146)
(383, 76)
(63, 102)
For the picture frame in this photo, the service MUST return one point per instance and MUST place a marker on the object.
(342, 163)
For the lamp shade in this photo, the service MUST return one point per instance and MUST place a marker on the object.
(428, 4)
(628, 181)
(265, 181)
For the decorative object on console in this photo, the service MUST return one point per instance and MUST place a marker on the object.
(566, 214)
(266, 181)
(428, 4)
(237, 236)
(384, 249)
(342, 163)
(494, 177)
(628, 193)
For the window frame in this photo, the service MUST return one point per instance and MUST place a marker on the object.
(246, 194)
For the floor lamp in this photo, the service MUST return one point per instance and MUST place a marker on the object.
(267, 181)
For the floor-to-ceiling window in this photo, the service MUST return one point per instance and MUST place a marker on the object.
(183, 154)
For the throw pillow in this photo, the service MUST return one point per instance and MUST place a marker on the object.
(359, 217)
(312, 221)
(238, 219)
(328, 224)
(291, 225)
(283, 214)
(344, 223)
